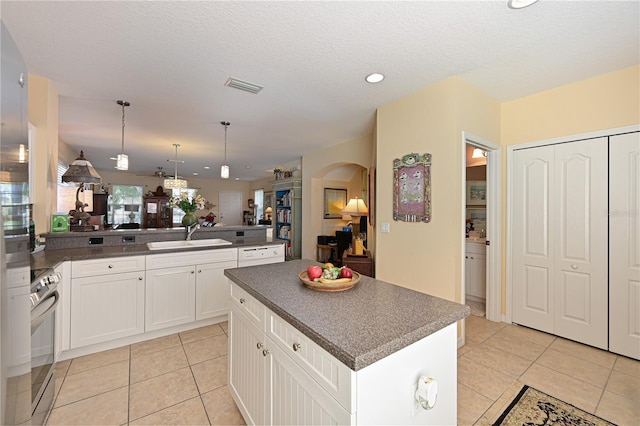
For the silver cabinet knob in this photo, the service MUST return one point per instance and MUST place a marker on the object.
(193, 272)
(242, 300)
(259, 345)
(199, 271)
(110, 266)
(139, 278)
(296, 347)
(574, 266)
(265, 352)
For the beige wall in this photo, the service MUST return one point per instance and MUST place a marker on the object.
(428, 256)
(43, 114)
(314, 167)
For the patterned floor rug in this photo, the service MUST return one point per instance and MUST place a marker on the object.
(533, 407)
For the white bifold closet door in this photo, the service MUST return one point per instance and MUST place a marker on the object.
(624, 245)
(559, 240)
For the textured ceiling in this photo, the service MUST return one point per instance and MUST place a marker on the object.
(170, 60)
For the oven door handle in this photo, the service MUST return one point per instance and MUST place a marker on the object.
(40, 318)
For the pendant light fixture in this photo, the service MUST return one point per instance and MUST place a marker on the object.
(224, 170)
(175, 183)
(122, 163)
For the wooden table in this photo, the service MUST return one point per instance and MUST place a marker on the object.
(321, 252)
(362, 264)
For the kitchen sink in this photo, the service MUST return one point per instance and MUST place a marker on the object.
(164, 245)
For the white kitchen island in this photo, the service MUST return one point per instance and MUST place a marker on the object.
(301, 356)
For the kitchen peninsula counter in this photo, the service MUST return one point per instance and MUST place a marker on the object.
(359, 326)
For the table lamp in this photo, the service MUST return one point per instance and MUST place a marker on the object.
(268, 212)
(356, 208)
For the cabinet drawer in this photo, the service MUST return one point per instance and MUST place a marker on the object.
(328, 371)
(248, 305)
(168, 260)
(112, 265)
(476, 248)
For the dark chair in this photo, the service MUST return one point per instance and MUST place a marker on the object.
(344, 241)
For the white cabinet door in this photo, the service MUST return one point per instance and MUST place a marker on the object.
(170, 297)
(475, 271)
(580, 236)
(247, 367)
(559, 239)
(106, 307)
(532, 233)
(212, 289)
(297, 399)
(63, 314)
(624, 241)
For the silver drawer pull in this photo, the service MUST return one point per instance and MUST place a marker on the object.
(574, 267)
(199, 271)
(242, 300)
(259, 345)
(265, 352)
(193, 272)
(296, 347)
(110, 266)
(139, 278)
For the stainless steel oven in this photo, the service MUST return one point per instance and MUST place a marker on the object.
(44, 301)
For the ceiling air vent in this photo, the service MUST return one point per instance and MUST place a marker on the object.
(243, 85)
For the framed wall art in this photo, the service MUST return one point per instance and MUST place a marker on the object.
(476, 192)
(335, 200)
(412, 188)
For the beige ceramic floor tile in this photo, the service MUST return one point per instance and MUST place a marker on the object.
(98, 359)
(465, 348)
(476, 322)
(506, 363)
(498, 407)
(475, 337)
(156, 363)
(618, 409)
(200, 333)
(161, 392)
(190, 412)
(225, 326)
(61, 371)
(109, 408)
(597, 356)
(221, 408)
(484, 380)
(515, 345)
(575, 367)
(471, 405)
(93, 382)
(205, 349)
(210, 374)
(566, 388)
(534, 336)
(154, 345)
(624, 385)
(628, 366)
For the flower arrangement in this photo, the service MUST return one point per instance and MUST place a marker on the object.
(186, 204)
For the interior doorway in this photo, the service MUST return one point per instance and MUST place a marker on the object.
(230, 209)
(480, 246)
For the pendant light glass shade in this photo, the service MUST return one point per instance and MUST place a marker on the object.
(175, 182)
(122, 163)
(224, 170)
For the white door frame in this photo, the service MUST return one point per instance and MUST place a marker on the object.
(494, 223)
(510, 150)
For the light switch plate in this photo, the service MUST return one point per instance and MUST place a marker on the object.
(384, 227)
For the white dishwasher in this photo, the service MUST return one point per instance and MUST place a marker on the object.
(260, 255)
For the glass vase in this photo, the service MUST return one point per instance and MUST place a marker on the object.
(189, 219)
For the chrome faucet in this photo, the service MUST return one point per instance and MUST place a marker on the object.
(191, 229)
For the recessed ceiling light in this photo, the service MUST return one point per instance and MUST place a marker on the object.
(374, 78)
(237, 178)
(207, 167)
(195, 173)
(520, 4)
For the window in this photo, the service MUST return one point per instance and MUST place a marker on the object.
(126, 206)
(259, 202)
(177, 213)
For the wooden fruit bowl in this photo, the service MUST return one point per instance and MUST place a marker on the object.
(329, 286)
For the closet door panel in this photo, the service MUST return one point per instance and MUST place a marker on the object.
(624, 245)
(532, 243)
(580, 241)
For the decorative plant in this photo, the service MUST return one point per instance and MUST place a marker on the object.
(276, 170)
(187, 204)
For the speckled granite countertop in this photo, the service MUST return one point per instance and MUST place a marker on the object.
(358, 326)
(51, 258)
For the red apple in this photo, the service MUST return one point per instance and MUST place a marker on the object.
(346, 273)
(314, 272)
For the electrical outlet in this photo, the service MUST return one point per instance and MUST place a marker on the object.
(384, 227)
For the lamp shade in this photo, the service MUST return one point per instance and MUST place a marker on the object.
(268, 210)
(355, 208)
(175, 183)
(81, 171)
(224, 172)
